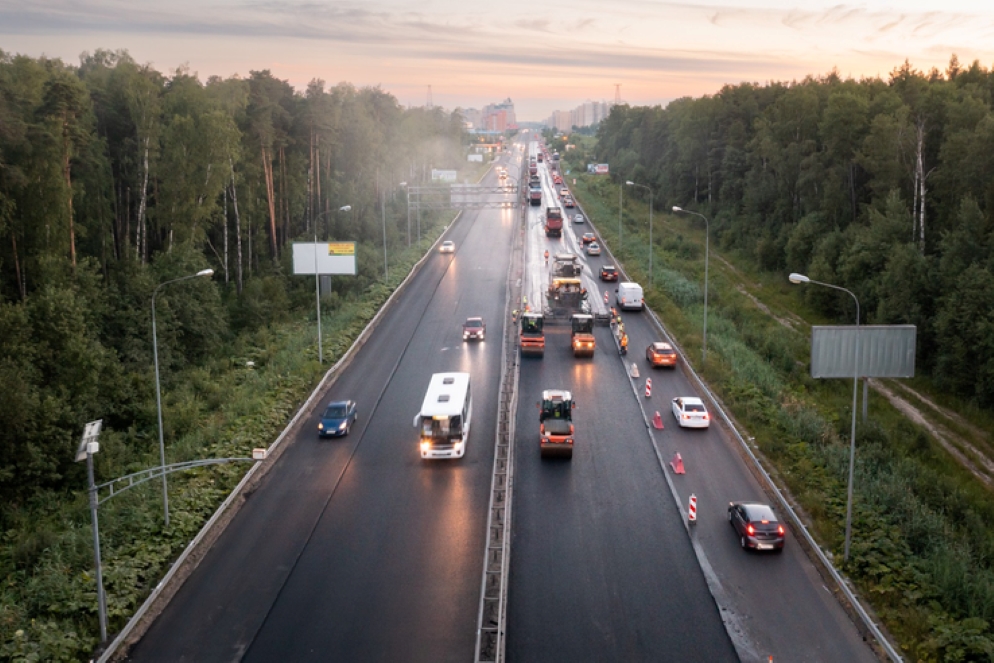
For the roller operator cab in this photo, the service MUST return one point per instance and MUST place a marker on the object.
(629, 296)
(445, 416)
(556, 423)
(582, 335)
(532, 334)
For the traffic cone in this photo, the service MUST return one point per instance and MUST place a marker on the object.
(605, 296)
(692, 509)
(648, 387)
(634, 372)
(677, 464)
(657, 421)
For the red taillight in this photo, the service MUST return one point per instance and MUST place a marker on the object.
(750, 530)
(706, 416)
(780, 530)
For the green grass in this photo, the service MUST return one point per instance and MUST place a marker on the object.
(48, 604)
(923, 527)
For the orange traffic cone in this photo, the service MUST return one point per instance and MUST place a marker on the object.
(657, 421)
(677, 464)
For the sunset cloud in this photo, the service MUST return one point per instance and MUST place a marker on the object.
(542, 57)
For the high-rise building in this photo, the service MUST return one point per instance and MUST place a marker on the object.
(584, 115)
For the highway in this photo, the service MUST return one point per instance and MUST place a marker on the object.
(355, 549)
(772, 604)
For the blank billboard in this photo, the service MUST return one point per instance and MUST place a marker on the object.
(885, 351)
(326, 257)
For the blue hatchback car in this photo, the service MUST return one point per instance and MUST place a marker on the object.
(337, 419)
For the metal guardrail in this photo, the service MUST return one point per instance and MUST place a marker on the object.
(119, 485)
(840, 581)
(492, 618)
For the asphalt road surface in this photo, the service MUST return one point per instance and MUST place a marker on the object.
(355, 549)
(772, 604)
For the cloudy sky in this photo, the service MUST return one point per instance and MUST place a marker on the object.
(544, 56)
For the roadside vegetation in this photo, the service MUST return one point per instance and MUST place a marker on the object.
(822, 177)
(115, 178)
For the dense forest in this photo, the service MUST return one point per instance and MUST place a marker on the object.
(885, 187)
(115, 177)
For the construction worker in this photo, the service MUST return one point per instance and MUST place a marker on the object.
(547, 256)
(624, 343)
(514, 315)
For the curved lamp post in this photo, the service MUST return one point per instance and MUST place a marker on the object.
(630, 183)
(707, 242)
(317, 283)
(158, 388)
(801, 278)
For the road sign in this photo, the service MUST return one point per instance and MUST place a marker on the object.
(91, 433)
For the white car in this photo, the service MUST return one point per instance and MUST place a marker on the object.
(593, 249)
(578, 218)
(690, 412)
(448, 246)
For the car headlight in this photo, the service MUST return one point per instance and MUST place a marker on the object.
(425, 445)
(320, 426)
(342, 425)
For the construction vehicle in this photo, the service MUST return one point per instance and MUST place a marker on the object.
(553, 222)
(566, 293)
(532, 334)
(556, 423)
(582, 335)
(535, 195)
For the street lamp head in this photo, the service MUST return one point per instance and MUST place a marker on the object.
(629, 183)
(677, 209)
(798, 278)
(205, 272)
(345, 208)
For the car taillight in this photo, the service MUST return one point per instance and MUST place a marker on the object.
(707, 416)
(780, 530)
(750, 530)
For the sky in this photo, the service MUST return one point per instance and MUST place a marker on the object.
(543, 56)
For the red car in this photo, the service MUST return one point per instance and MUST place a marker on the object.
(588, 238)
(609, 273)
(474, 328)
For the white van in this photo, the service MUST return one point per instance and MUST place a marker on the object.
(629, 296)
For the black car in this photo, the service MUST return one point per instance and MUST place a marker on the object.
(757, 526)
(609, 273)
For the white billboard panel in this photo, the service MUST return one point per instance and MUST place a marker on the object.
(325, 257)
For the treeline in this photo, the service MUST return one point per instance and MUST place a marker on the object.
(115, 177)
(883, 187)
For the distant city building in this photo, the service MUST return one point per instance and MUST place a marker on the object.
(494, 117)
(584, 115)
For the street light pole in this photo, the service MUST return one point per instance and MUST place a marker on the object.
(630, 183)
(317, 282)
(621, 203)
(707, 242)
(801, 278)
(383, 213)
(408, 192)
(158, 388)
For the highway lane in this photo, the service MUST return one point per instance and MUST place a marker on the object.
(778, 604)
(601, 568)
(356, 549)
